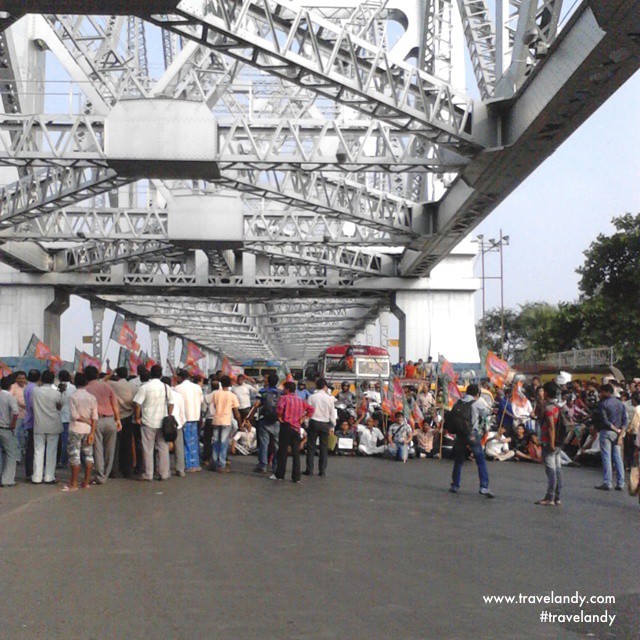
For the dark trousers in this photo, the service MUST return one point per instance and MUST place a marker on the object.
(207, 437)
(28, 461)
(126, 452)
(318, 429)
(289, 437)
(137, 439)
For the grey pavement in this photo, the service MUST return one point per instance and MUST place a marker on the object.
(377, 549)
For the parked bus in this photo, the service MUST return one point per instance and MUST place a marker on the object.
(257, 369)
(354, 363)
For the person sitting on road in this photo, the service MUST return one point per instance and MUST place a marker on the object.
(526, 445)
(371, 439)
(346, 435)
(497, 446)
(398, 438)
(423, 440)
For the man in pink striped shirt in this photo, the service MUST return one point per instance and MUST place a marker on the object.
(291, 412)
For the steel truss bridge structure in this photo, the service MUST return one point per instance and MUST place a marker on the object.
(262, 176)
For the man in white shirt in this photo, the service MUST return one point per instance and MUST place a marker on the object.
(192, 397)
(243, 392)
(179, 414)
(369, 436)
(67, 388)
(152, 404)
(321, 425)
(9, 446)
(47, 427)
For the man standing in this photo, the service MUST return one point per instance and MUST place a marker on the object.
(303, 393)
(321, 425)
(152, 403)
(610, 420)
(125, 392)
(551, 439)
(192, 397)
(9, 447)
(17, 391)
(268, 425)
(471, 438)
(83, 409)
(291, 412)
(225, 403)
(104, 446)
(243, 393)
(47, 427)
(33, 382)
(67, 389)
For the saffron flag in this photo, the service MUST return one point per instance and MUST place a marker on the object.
(191, 353)
(5, 369)
(134, 361)
(37, 349)
(398, 396)
(150, 363)
(497, 370)
(417, 415)
(364, 406)
(446, 369)
(123, 334)
(453, 393)
(518, 396)
(55, 364)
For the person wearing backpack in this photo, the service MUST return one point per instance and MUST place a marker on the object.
(463, 421)
(552, 437)
(268, 425)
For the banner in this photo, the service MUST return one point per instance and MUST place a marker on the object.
(417, 415)
(37, 349)
(398, 396)
(497, 370)
(123, 334)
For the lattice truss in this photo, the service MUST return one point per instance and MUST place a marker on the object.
(341, 125)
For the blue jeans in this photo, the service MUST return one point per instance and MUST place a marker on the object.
(265, 431)
(460, 449)
(608, 441)
(220, 446)
(21, 435)
(402, 451)
(553, 466)
(191, 446)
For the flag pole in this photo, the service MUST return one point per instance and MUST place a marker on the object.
(436, 406)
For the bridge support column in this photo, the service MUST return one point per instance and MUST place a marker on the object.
(29, 310)
(171, 355)
(97, 316)
(155, 345)
(434, 323)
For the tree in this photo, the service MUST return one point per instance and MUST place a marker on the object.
(610, 287)
(493, 332)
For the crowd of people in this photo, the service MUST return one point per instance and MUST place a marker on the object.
(149, 426)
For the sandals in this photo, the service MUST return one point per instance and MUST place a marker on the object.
(545, 503)
(68, 489)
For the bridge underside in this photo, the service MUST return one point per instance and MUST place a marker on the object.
(268, 178)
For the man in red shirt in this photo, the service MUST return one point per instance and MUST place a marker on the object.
(104, 445)
(551, 439)
(291, 412)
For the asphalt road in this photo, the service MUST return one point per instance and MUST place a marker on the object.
(376, 549)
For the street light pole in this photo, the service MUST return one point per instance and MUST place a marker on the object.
(501, 296)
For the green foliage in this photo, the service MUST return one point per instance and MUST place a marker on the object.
(607, 313)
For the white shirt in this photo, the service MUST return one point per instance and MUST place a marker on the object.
(369, 438)
(192, 400)
(374, 396)
(65, 412)
(153, 403)
(178, 407)
(243, 393)
(325, 407)
(496, 445)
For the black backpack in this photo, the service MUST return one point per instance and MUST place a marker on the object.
(561, 428)
(458, 421)
(269, 407)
